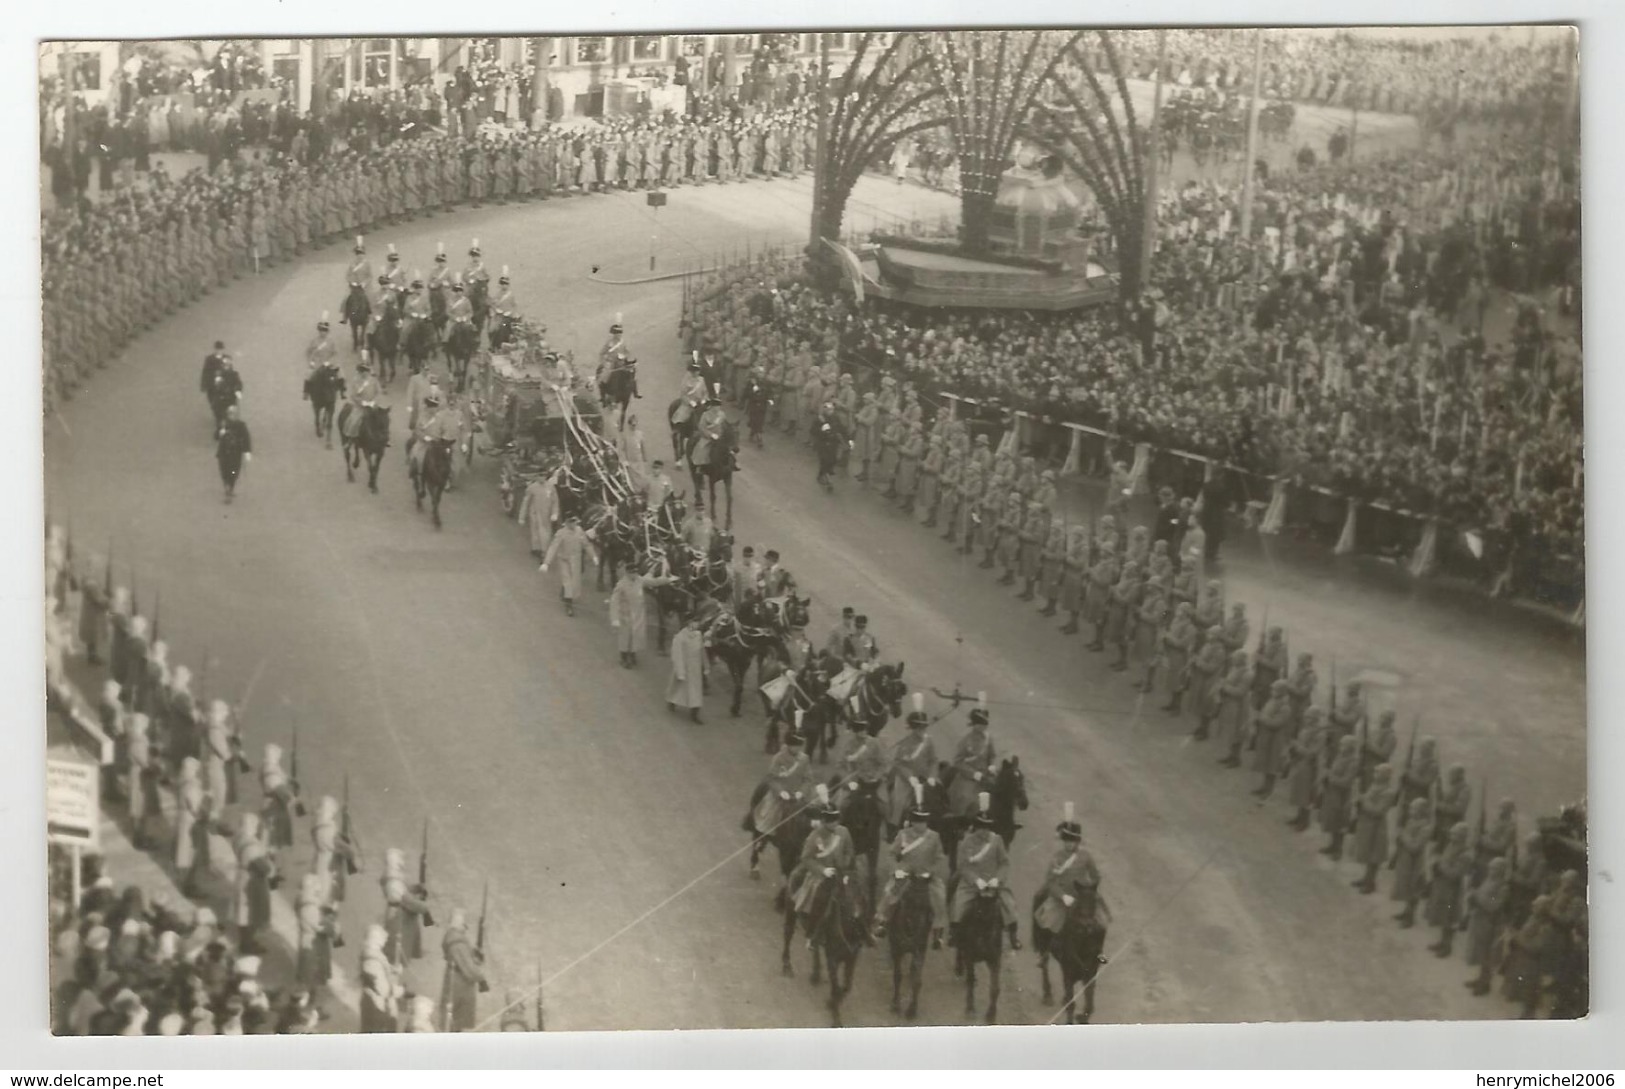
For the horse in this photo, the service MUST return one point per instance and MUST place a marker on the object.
(979, 939)
(712, 461)
(479, 300)
(322, 387)
(370, 441)
(876, 698)
(356, 312)
(787, 838)
(837, 929)
(682, 431)
(432, 475)
(619, 386)
(808, 696)
(461, 345)
(1078, 947)
(501, 332)
(419, 343)
(909, 936)
(740, 640)
(384, 339)
(1007, 794)
(865, 818)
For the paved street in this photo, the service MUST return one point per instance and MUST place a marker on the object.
(439, 671)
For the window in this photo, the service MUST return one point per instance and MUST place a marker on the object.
(836, 42)
(592, 50)
(286, 69)
(692, 45)
(649, 47)
(744, 43)
(369, 62)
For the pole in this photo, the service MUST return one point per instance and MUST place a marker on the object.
(1149, 239)
(815, 234)
(1252, 138)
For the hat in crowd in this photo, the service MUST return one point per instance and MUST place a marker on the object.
(772, 554)
(432, 400)
(826, 808)
(474, 248)
(694, 365)
(847, 611)
(749, 551)
(984, 811)
(918, 811)
(978, 715)
(503, 279)
(917, 718)
(616, 327)
(322, 325)
(1069, 828)
(860, 620)
(384, 280)
(393, 256)
(360, 246)
(440, 253)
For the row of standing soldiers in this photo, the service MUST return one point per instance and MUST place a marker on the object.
(137, 260)
(165, 737)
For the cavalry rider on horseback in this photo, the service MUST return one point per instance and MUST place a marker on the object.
(504, 307)
(984, 865)
(613, 351)
(973, 765)
(442, 425)
(862, 765)
(439, 280)
(476, 280)
(1071, 877)
(828, 853)
(360, 273)
(394, 275)
(913, 764)
(363, 399)
(916, 853)
(418, 306)
(694, 395)
(460, 311)
(782, 792)
(321, 350)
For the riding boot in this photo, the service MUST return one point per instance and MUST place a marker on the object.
(1049, 608)
(1071, 626)
(1015, 939)
(1267, 787)
(1300, 820)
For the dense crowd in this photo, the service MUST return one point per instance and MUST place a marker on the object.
(115, 267)
(1357, 363)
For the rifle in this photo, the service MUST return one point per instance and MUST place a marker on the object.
(423, 872)
(479, 937)
(293, 777)
(352, 863)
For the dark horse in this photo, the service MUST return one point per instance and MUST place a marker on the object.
(682, 433)
(740, 640)
(876, 698)
(1007, 795)
(1079, 948)
(461, 345)
(979, 939)
(385, 341)
(419, 343)
(711, 463)
(322, 389)
(787, 838)
(370, 440)
(356, 312)
(431, 477)
(865, 818)
(837, 930)
(619, 386)
(808, 698)
(909, 935)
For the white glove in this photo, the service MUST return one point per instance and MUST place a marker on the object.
(785, 795)
(980, 883)
(798, 794)
(1067, 900)
(976, 775)
(248, 457)
(851, 786)
(542, 568)
(829, 871)
(913, 782)
(900, 874)
(993, 882)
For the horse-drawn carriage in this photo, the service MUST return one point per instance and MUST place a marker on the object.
(527, 423)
